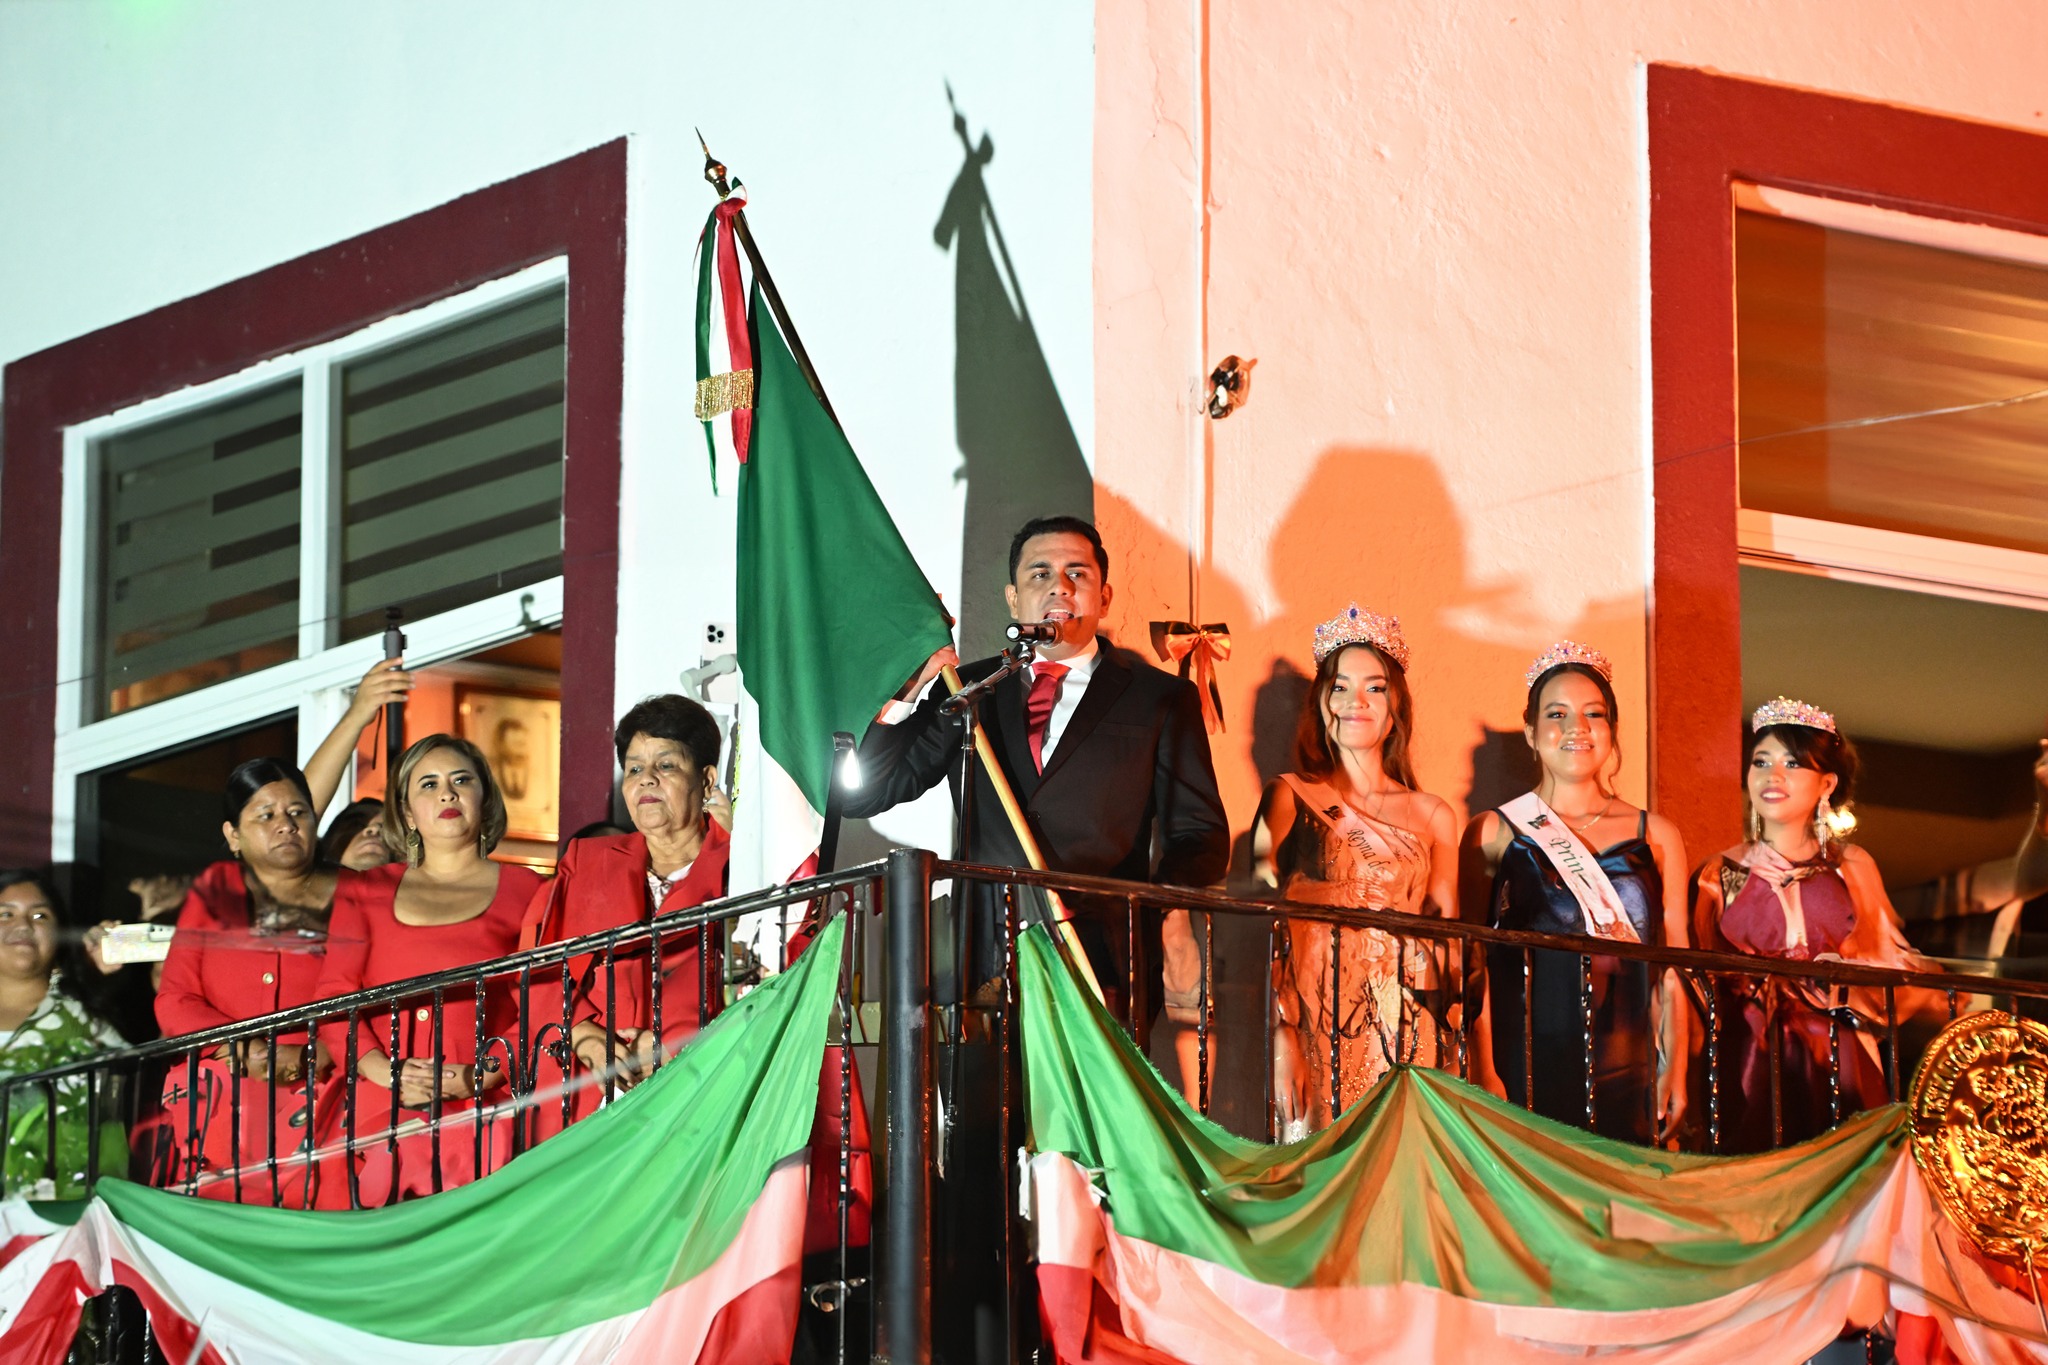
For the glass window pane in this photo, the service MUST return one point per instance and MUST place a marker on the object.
(1834, 326)
(452, 466)
(198, 564)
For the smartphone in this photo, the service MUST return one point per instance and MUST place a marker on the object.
(126, 943)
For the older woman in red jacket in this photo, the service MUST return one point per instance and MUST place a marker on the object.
(446, 906)
(675, 858)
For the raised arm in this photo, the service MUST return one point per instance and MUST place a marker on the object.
(387, 682)
(903, 756)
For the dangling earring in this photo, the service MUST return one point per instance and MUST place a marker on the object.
(415, 847)
(1822, 830)
(1753, 823)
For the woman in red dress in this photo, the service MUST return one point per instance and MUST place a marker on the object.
(446, 906)
(250, 937)
(675, 859)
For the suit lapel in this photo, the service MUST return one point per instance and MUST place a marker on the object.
(1110, 679)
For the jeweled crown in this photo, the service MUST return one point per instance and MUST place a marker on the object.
(1358, 627)
(1568, 652)
(1785, 711)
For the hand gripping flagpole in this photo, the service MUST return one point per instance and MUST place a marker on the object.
(715, 173)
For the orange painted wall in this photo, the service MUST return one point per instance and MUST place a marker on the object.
(1428, 222)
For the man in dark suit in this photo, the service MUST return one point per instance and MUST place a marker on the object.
(1108, 756)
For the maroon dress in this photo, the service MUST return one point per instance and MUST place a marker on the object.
(1749, 915)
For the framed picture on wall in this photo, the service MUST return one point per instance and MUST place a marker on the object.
(521, 735)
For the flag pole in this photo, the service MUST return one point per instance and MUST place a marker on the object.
(715, 173)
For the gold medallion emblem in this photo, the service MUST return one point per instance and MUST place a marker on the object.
(1980, 1133)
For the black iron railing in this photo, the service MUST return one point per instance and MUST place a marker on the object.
(949, 1088)
(527, 1080)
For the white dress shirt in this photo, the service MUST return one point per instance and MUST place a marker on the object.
(1080, 668)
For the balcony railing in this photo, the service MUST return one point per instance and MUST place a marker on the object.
(950, 1094)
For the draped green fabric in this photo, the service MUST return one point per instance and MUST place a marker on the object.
(1427, 1181)
(833, 613)
(593, 1223)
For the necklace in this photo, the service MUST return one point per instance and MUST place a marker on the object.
(1598, 816)
(1369, 808)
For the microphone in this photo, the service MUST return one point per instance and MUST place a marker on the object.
(1038, 632)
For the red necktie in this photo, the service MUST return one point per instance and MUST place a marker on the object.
(1045, 689)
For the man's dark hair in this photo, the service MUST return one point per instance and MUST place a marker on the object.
(1053, 526)
(671, 717)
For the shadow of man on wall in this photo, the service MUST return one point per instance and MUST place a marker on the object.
(1019, 455)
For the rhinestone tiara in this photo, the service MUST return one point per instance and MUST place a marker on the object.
(1568, 652)
(1357, 627)
(1785, 711)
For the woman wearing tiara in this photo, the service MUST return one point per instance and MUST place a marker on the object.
(1350, 829)
(1792, 891)
(1571, 857)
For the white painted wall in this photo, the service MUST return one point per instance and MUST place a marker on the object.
(151, 151)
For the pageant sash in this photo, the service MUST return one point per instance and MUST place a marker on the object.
(1576, 864)
(1350, 827)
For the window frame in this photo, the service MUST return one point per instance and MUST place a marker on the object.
(563, 220)
(318, 369)
(1706, 134)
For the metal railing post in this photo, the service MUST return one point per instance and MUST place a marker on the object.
(903, 1299)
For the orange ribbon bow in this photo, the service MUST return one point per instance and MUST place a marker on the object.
(1198, 649)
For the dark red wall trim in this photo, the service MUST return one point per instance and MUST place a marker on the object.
(575, 207)
(1707, 131)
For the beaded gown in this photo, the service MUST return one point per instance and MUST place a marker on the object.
(1352, 992)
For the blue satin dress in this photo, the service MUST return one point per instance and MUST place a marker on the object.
(1528, 893)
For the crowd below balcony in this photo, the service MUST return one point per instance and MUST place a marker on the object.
(1110, 759)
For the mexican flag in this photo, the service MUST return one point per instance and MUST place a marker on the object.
(666, 1227)
(833, 614)
(1434, 1222)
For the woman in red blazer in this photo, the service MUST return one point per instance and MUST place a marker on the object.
(675, 858)
(250, 936)
(446, 906)
(249, 942)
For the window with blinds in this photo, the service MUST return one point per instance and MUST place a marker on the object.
(1835, 326)
(451, 458)
(198, 554)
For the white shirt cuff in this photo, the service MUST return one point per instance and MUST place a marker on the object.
(894, 711)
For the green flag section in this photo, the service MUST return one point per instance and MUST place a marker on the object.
(668, 1226)
(1434, 1222)
(834, 615)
